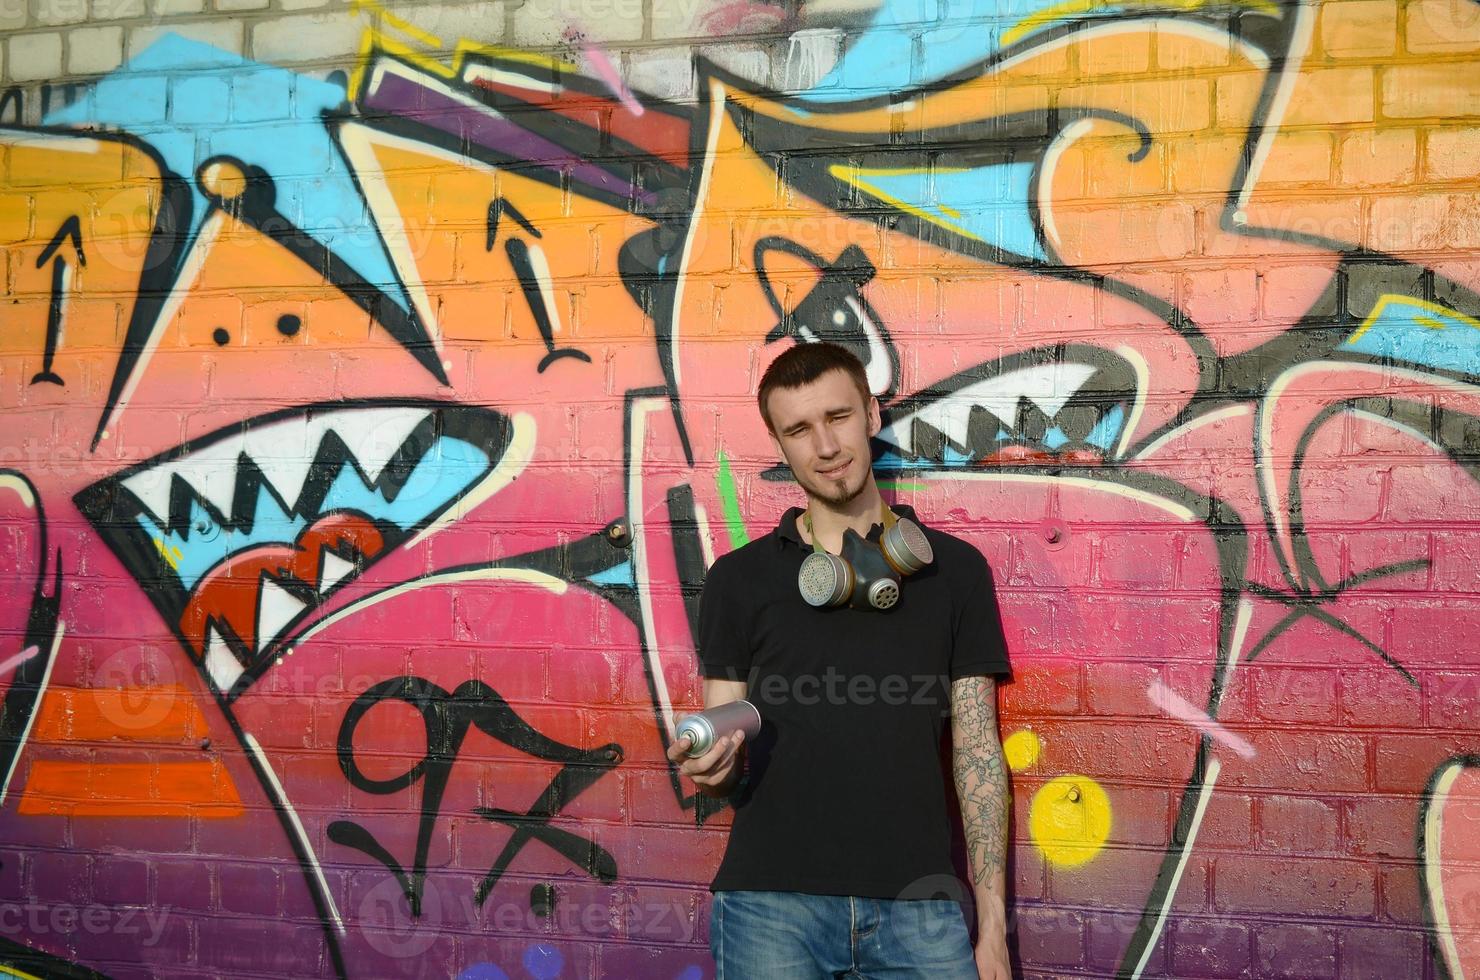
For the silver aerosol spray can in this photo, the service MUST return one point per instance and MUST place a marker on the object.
(705, 728)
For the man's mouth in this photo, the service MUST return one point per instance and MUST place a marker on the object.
(239, 535)
(1062, 404)
(836, 472)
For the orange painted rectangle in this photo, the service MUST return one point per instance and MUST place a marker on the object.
(129, 789)
(165, 713)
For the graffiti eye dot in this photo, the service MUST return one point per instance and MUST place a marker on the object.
(447, 365)
(223, 179)
(221, 337)
(288, 324)
(542, 899)
(839, 317)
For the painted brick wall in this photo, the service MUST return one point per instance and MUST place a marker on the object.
(377, 388)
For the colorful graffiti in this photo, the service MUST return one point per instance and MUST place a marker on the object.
(368, 437)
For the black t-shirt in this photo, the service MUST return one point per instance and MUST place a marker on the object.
(846, 793)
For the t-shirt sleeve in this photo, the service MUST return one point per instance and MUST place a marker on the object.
(724, 635)
(979, 645)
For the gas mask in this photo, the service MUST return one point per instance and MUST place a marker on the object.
(866, 575)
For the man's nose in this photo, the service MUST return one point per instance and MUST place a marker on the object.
(827, 442)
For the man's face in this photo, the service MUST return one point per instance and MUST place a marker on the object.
(822, 430)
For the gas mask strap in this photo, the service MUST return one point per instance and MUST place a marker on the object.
(817, 548)
(886, 515)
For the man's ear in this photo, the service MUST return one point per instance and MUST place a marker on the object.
(875, 421)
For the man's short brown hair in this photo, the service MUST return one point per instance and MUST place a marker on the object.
(804, 364)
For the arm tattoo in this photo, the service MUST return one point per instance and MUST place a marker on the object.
(981, 775)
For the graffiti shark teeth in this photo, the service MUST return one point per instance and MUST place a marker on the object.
(1052, 403)
(332, 570)
(277, 609)
(212, 474)
(237, 537)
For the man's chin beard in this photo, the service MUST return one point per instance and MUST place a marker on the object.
(841, 497)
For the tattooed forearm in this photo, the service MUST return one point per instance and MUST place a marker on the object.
(981, 779)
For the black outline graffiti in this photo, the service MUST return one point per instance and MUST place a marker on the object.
(43, 621)
(71, 228)
(497, 208)
(838, 282)
(534, 295)
(163, 260)
(1465, 761)
(38, 963)
(1308, 604)
(447, 718)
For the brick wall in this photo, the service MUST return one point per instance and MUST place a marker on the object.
(377, 388)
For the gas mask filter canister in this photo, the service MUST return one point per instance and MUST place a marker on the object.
(865, 575)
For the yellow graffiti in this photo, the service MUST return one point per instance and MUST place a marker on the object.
(377, 40)
(1073, 8)
(170, 554)
(1453, 317)
(1069, 820)
(1021, 750)
(378, 12)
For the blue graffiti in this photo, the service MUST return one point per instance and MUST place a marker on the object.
(912, 43)
(543, 962)
(1107, 430)
(1400, 328)
(989, 204)
(622, 574)
(483, 971)
(191, 101)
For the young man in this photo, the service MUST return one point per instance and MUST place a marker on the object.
(840, 840)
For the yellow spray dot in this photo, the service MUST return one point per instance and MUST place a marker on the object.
(1070, 820)
(223, 179)
(1021, 750)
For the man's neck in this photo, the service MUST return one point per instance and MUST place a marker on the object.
(829, 522)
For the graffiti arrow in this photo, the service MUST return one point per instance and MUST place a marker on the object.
(61, 278)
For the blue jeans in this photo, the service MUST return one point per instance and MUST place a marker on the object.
(792, 936)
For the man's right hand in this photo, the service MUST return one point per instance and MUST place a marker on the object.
(715, 772)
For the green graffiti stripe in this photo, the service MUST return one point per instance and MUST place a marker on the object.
(725, 481)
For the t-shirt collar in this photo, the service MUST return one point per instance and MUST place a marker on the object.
(787, 529)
